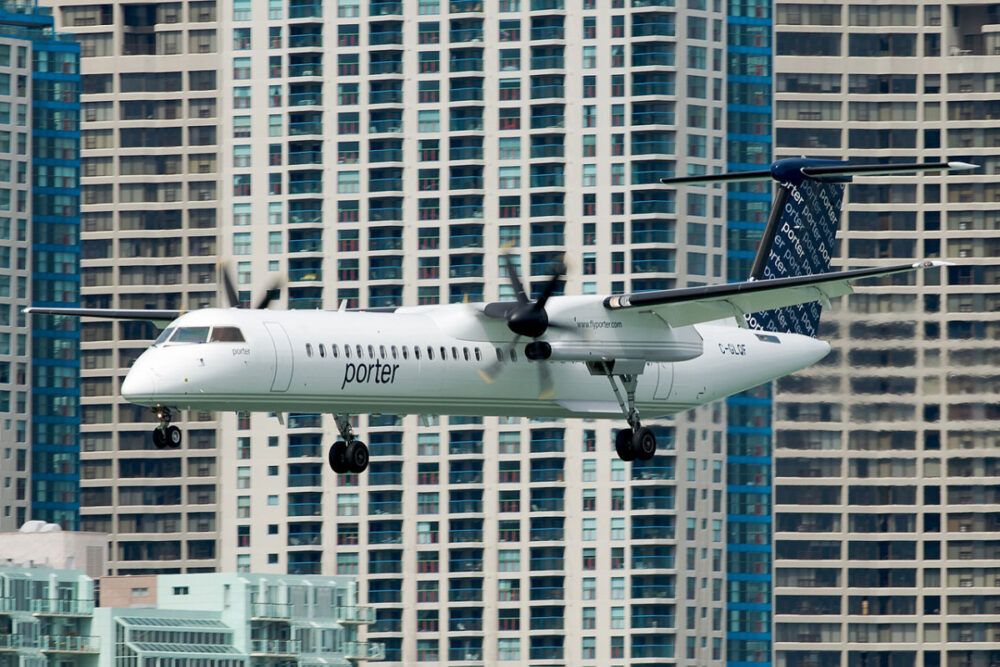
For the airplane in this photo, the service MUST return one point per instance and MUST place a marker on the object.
(652, 354)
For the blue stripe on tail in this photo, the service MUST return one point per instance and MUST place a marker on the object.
(802, 241)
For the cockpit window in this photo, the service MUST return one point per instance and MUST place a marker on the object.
(162, 338)
(190, 335)
(226, 335)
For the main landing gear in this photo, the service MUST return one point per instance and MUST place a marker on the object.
(348, 454)
(636, 442)
(166, 436)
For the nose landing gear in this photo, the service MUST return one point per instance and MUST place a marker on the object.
(166, 436)
(349, 454)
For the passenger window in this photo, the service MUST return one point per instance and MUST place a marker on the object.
(309, 349)
(513, 354)
(479, 354)
(190, 335)
(499, 354)
(454, 353)
(405, 351)
(322, 350)
(465, 352)
(444, 354)
(347, 352)
(226, 335)
(333, 350)
(361, 354)
(381, 351)
(430, 353)
(371, 351)
(416, 353)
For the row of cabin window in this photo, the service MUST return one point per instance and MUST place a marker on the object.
(402, 352)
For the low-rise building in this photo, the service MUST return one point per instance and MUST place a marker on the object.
(48, 617)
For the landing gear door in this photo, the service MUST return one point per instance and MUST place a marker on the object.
(284, 362)
(664, 381)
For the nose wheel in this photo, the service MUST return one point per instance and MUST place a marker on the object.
(166, 435)
(349, 455)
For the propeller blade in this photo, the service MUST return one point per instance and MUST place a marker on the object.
(273, 292)
(546, 387)
(550, 287)
(515, 280)
(228, 286)
(491, 372)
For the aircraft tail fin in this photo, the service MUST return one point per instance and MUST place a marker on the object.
(800, 236)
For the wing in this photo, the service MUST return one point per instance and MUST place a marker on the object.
(691, 305)
(109, 313)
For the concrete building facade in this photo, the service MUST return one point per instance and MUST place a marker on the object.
(39, 265)
(149, 231)
(385, 153)
(885, 470)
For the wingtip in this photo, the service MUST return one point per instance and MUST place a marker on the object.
(931, 263)
(955, 165)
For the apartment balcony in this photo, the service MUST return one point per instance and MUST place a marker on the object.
(67, 644)
(62, 607)
(305, 157)
(306, 11)
(300, 128)
(305, 187)
(464, 6)
(16, 643)
(270, 610)
(364, 651)
(275, 647)
(357, 615)
(305, 69)
(307, 509)
(305, 275)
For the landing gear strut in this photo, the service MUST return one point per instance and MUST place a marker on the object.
(166, 436)
(348, 454)
(636, 442)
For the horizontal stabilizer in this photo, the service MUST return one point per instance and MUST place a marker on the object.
(795, 170)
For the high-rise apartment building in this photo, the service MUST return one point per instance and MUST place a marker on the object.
(39, 265)
(382, 154)
(748, 415)
(886, 507)
(150, 167)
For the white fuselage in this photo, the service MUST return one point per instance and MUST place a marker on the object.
(295, 361)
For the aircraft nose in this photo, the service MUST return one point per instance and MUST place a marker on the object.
(139, 385)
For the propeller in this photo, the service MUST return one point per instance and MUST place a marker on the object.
(527, 318)
(233, 296)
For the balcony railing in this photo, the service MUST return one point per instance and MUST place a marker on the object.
(310, 10)
(305, 157)
(275, 646)
(63, 607)
(270, 610)
(305, 127)
(306, 509)
(357, 615)
(305, 479)
(66, 644)
(364, 651)
(305, 69)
